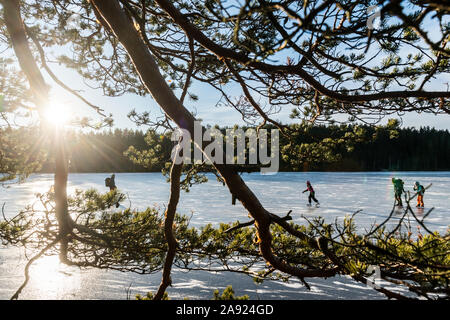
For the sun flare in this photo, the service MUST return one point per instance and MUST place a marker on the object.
(51, 278)
(57, 114)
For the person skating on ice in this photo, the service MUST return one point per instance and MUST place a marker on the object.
(398, 191)
(311, 193)
(420, 191)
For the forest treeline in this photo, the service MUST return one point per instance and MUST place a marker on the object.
(316, 148)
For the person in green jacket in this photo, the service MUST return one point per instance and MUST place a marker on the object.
(420, 191)
(398, 191)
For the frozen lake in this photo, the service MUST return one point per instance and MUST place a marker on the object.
(340, 194)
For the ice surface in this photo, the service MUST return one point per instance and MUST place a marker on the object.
(340, 194)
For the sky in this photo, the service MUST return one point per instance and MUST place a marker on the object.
(205, 107)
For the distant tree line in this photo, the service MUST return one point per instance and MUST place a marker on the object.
(424, 149)
(102, 151)
(311, 148)
(378, 148)
(310, 55)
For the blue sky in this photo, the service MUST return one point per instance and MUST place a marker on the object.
(205, 107)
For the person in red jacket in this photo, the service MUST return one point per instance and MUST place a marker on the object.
(312, 193)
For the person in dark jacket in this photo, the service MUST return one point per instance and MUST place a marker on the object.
(312, 193)
(111, 183)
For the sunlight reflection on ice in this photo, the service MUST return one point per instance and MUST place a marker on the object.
(52, 280)
(340, 194)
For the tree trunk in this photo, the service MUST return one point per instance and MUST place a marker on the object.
(17, 32)
(112, 17)
(175, 174)
(60, 186)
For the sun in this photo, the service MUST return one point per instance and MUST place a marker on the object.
(58, 114)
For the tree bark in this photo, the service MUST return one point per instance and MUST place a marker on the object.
(226, 53)
(175, 174)
(116, 20)
(65, 223)
(18, 36)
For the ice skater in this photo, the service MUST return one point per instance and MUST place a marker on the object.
(398, 191)
(420, 191)
(111, 183)
(311, 193)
